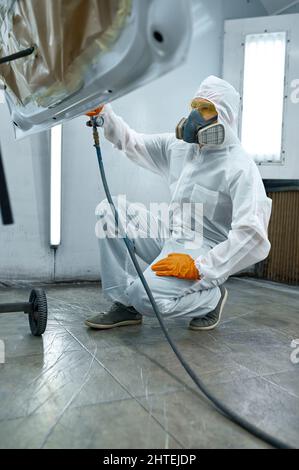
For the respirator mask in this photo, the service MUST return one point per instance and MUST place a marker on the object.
(202, 126)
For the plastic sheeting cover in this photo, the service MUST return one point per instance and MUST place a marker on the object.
(68, 36)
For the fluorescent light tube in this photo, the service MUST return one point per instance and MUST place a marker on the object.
(55, 210)
(263, 96)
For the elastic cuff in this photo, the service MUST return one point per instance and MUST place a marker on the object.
(199, 265)
(107, 109)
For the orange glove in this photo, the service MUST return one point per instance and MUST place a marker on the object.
(95, 112)
(177, 265)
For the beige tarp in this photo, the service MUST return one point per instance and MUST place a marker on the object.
(68, 36)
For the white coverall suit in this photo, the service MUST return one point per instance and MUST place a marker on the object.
(236, 213)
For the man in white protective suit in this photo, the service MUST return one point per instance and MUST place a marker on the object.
(189, 259)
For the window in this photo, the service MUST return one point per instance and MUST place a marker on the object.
(263, 96)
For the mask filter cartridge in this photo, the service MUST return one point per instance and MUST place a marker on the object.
(212, 135)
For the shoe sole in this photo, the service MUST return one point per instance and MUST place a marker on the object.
(211, 327)
(98, 326)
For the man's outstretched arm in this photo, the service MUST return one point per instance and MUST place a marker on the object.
(148, 151)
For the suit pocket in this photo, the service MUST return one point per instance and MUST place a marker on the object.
(207, 198)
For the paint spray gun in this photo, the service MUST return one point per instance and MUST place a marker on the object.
(95, 119)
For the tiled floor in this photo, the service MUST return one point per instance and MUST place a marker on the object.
(124, 388)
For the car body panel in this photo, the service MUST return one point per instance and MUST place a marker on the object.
(152, 39)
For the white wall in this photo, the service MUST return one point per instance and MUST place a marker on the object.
(24, 246)
(154, 108)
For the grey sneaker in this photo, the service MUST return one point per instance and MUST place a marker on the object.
(212, 319)
(118, 315)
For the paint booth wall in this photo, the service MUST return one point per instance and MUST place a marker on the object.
(25, 251)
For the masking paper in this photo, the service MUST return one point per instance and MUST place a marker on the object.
(68, 36)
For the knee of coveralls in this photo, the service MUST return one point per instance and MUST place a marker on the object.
(138, 298)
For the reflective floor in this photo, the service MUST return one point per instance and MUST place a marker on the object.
(124, 388)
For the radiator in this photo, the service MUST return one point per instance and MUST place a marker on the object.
(282, 264)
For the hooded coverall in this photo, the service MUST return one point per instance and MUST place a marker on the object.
(236, 213)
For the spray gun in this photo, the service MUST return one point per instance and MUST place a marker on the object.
(94, 117)
(95, 121)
